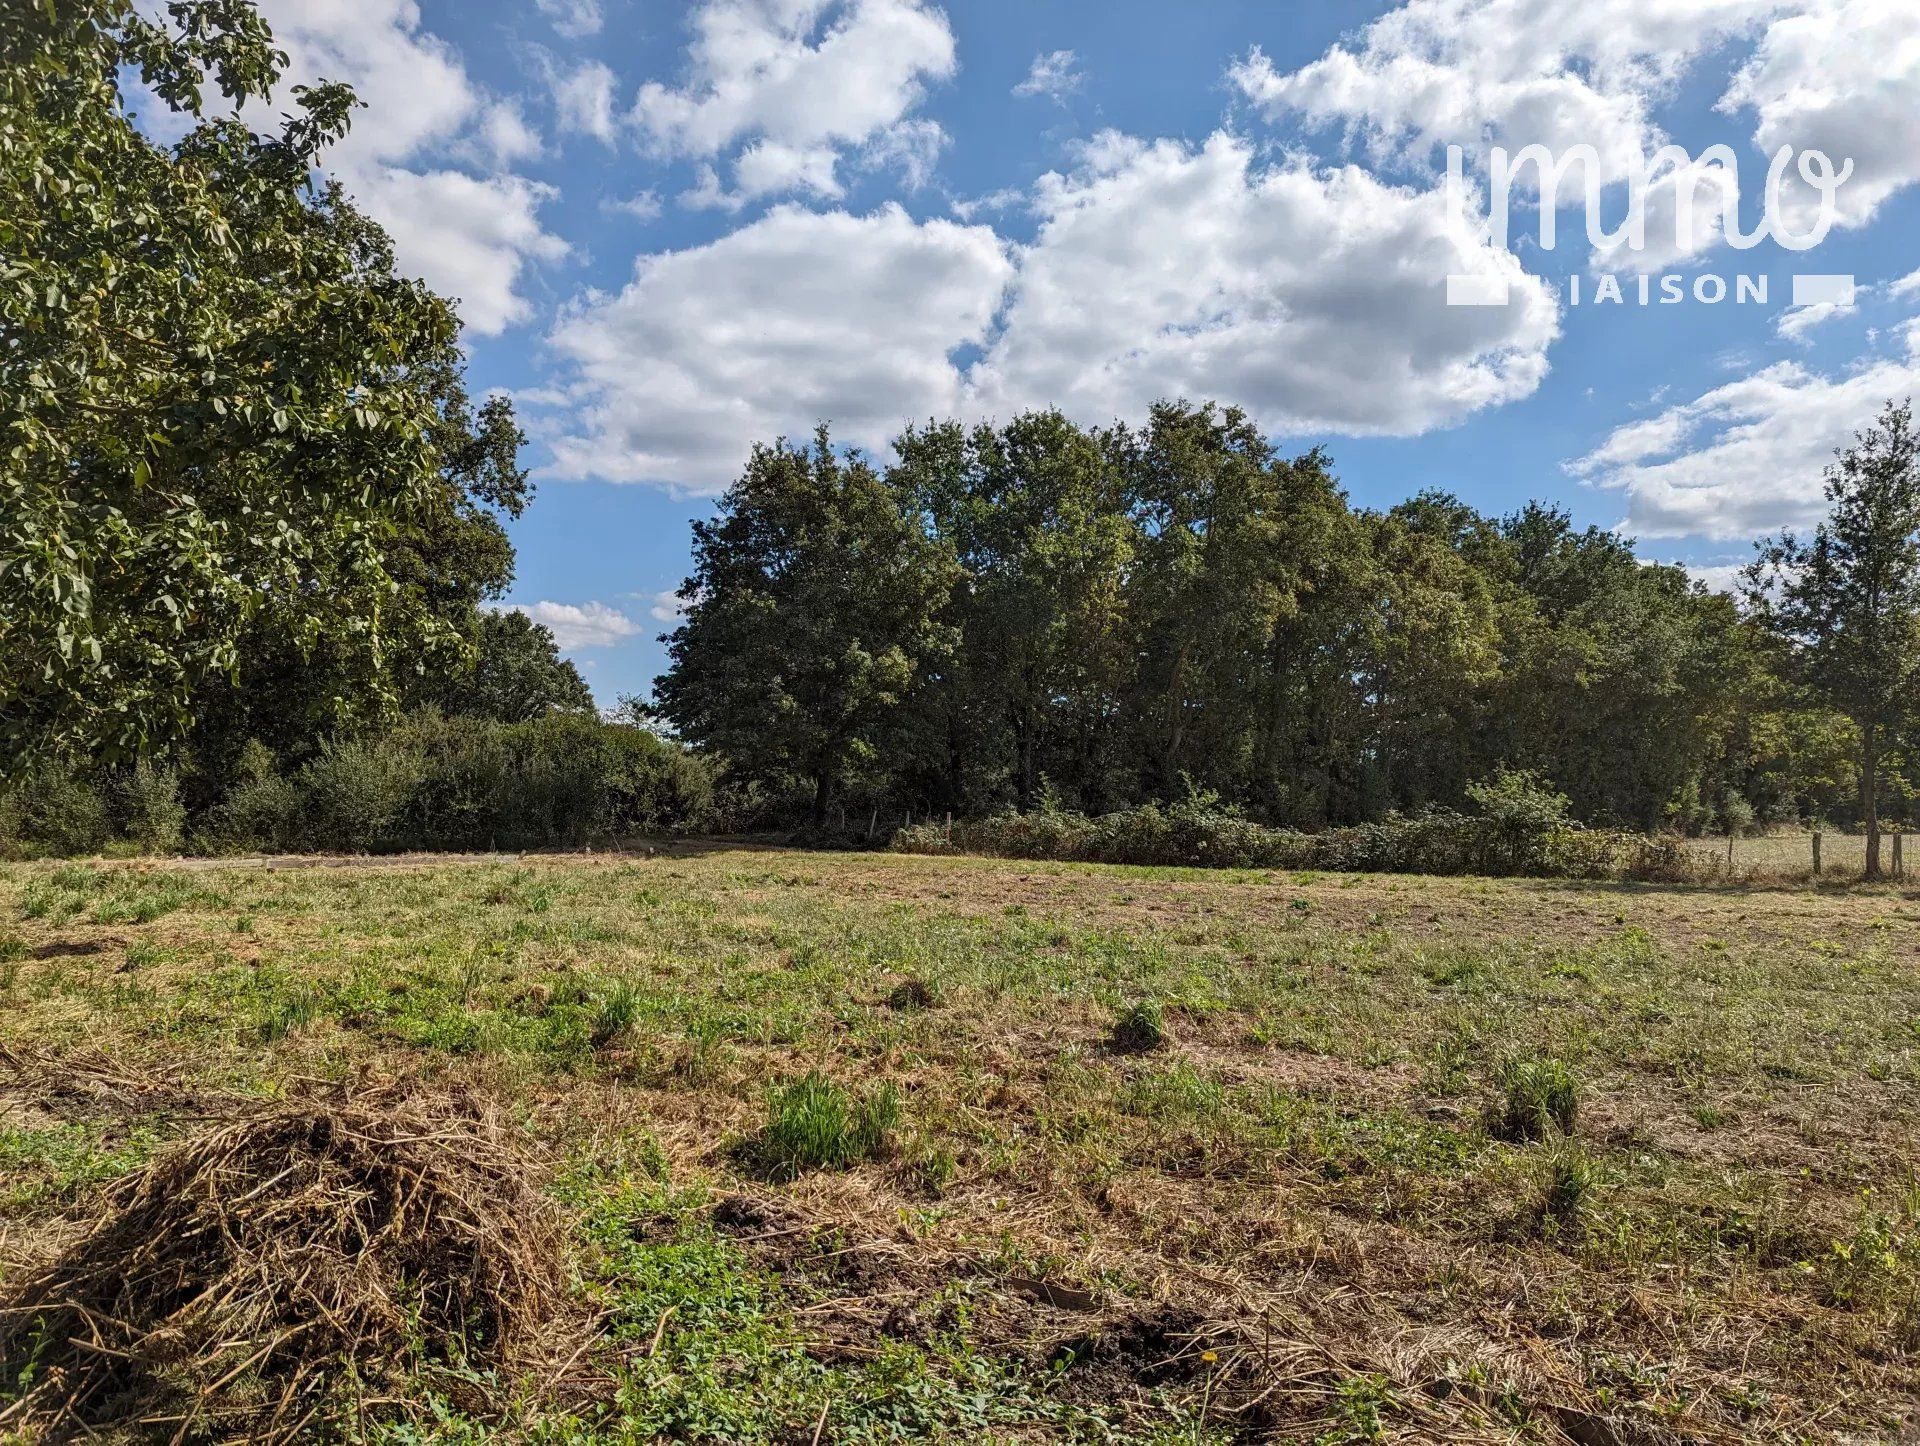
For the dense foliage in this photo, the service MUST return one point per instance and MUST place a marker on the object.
(1846, 601)
(428, 782)
(1521, 830)
(1106, 619)
(245, 500)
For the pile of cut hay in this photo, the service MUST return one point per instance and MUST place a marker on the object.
(283, 1268)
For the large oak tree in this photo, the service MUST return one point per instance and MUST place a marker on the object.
(811, 614)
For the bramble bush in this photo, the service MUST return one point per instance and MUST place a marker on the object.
(1522, 829)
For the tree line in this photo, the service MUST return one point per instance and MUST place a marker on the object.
(1043, 614)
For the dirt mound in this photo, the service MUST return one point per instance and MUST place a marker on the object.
(237, 1284)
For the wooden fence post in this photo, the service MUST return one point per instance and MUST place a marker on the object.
(1729, 853)
(1899, 865)
(1816, 853)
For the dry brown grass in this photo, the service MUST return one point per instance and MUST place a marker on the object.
(228, 1287)
(1299, 1182)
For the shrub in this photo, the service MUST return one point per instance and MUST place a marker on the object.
(1140, 1028)
(465, 776)
(1526, 818)
(1521, 835)
(50, 810)
(356, 791)
(1539, 1098)
(558, 781)
(261, 809)
(151, 814)
(813, 1123)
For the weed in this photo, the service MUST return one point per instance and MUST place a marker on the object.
(1878, 1266)
(1566, 1179)
(1172, 1094)
(1140, 1028)
(1361, 1407)
(1447, 1062)
(142, 900)
(1540, 1098)
(913, 994)
(815, 1124)
(618, 1012)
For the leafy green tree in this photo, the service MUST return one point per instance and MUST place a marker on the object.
(1847, 600)
(812, 612)
(517, 674)
(1037, 518)
(224, 419)
(1622, 680)
(1216, 574)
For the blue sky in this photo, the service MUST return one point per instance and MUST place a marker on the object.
(680, 228)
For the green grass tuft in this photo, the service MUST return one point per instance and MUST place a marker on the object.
(1540, 1098)
(815, 1124)
(1140, 1028)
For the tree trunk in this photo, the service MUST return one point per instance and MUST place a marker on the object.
(1025, 774)
(822, 796)
(1870, 798)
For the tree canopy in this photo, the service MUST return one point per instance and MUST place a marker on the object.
(1102, 617)
(239, 473)
(1846, 601)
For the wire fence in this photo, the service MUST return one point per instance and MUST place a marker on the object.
(1792, 855)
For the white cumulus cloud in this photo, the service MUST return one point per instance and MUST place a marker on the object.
(1839, 76)
(581, 625)
(1317, 300)
(1716, 576)
(575, 19)
(469, 236)
(794, 83)
(1748, 457)
(797, 318)
(583, 99)
(667, 606)
(1468, 72)
(1055, 74)
(1796, 323)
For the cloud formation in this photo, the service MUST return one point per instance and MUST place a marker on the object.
(796, 318)
(1054, 74)
(469, 236)
(584, 625)
(1314, 299)
(574, 19)
(789, 85)
(1837, 76)
(1748, 457)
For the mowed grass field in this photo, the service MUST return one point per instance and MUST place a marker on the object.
(849, 1149)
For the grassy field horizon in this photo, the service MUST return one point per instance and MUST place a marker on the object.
(875, 1147)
